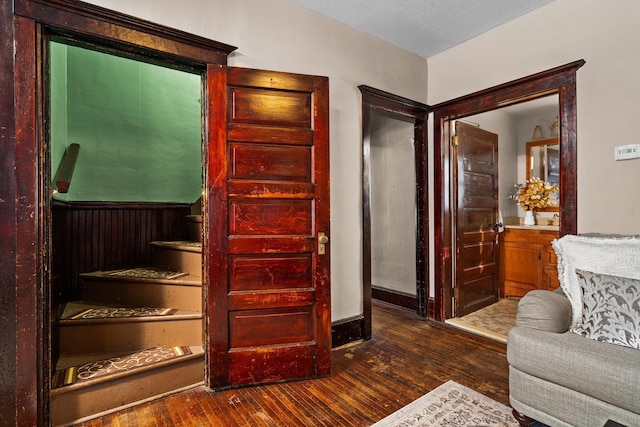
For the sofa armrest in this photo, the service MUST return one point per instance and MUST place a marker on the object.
(544, 310)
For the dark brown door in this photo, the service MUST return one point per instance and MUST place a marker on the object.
(268, 208)
(476, 281)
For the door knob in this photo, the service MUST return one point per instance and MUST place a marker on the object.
(323, 239)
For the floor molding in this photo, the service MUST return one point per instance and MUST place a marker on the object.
(395, 297)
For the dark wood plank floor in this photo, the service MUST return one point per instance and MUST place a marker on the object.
(406, 358)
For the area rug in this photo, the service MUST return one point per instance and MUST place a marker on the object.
(101, 368)
(120, 312)
(452, 405)
(147, 273)
(493, 321)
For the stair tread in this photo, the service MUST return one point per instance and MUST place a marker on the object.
(182, 245)
(77, 371)
(155, 276)
(98, 312)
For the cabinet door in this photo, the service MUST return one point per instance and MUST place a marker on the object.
(522, 268)
(550, 280)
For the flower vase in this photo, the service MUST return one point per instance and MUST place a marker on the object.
(528, 218)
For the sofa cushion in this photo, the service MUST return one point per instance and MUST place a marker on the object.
(544, 310)
(610, 309)
(618, 256)
(610, 373)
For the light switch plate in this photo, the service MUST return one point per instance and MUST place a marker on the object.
(626, 152)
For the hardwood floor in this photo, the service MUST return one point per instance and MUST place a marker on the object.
(406, 358)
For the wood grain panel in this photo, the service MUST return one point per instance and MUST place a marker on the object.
(270, 217)
(265, 366)
(269, 134)
(284, 298)
(255, 189)
(478, 220)
(253, 328)
(269, 162)
(262, 273)
(275, 107)
(270, 245)
(480, 151)
(478, 185)
(476, 255)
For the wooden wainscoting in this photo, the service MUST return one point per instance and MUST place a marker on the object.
(93, 236)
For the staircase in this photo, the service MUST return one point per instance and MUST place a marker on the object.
(136, 335)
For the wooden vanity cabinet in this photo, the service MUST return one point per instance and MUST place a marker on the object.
(527, 261)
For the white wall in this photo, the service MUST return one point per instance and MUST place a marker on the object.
(393, 205)
(280, 35)
(607, 36)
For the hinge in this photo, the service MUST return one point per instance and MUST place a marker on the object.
(454, 140)
(456, 293)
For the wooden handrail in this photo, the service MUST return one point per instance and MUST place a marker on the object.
(65, 170)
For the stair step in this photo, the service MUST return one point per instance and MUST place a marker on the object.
(120, 389)
(102, 334)
(178, 256)
(182, 292)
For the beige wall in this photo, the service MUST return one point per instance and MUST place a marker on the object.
(393, 205)
(281, 35)
(607, 36)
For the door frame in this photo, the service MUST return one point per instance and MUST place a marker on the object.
(26, 25)
(396, 107)
(560, 80)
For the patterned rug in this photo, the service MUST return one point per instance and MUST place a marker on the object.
(452, 405)
(493, 321)
(101, 368)
(119, 312)
(147, 273)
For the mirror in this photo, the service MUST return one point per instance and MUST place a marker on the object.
(543, 161)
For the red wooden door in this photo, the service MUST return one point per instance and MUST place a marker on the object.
(267, 198)
(476, 281)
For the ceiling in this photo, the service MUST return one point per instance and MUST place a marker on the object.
(424, 27)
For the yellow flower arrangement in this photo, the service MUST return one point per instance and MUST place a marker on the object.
(535, 194)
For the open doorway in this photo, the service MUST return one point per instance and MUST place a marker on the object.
(515, 128)
(125, 149)
(561, 81)
(394, 197)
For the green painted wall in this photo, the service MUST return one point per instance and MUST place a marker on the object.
(138, 126)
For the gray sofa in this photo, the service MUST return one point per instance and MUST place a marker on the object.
(574, 355)
(560, 378)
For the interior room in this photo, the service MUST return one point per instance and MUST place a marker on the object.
(231, 164)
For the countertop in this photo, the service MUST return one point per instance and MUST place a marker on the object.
(534, 227)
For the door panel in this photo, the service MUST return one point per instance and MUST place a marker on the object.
(267, 199)
(476, 278)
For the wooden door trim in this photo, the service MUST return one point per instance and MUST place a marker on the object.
(88, 21)
(25, 215)
(394, 106)
(560, 80)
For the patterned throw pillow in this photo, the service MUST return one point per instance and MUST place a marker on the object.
(610, 309)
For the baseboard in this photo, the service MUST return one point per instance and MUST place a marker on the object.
(351, 329)
(394, 297)
(346, 331)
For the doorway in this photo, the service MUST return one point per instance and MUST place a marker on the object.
(561, 81)
(514, 128)
(302, 126)
(394, 137)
